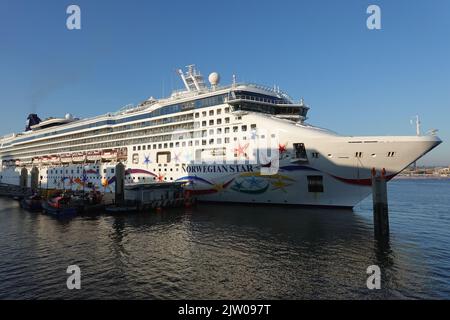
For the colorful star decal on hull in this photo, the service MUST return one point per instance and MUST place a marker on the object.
(147, 160)
(215, 188)
(279, 184)
(241, 150)
(282, 148)
(176, 157)
(246, 186)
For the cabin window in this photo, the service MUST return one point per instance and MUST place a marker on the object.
(211, 122)
(227, 130)
(139, 148)
(227, 120)
(391, 154)
(235, 129)
(143, 147)
(219, 130)
(227, 110)
(227, 140)
(211, 112)
(219, 121)
(244, 128)
(197, 115)
(219, 111)
(358, 154)
(204, 114)
(253, 126)
(203, 123)
(315, 183)
(315, 155)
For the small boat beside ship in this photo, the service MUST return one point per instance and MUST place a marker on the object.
(59, 206)
(33, 203)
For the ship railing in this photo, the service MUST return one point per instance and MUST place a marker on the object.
(258, 99)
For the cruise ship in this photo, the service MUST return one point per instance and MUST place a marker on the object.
(240, 143)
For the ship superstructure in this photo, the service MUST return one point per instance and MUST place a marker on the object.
(237, 143)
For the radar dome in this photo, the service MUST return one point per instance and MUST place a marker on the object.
(214, 78)
(68, 116)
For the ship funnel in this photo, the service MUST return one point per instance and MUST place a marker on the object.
(32, 120)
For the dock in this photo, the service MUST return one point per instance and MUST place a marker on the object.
(14, 191)
(145, 196)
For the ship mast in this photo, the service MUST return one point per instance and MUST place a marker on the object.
(192, 79)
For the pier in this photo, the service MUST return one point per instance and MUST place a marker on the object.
(380, 205)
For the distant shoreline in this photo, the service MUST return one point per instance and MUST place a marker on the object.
(422, 177)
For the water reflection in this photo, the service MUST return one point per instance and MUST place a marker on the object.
(209, 251)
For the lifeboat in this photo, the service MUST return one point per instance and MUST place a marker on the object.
(109, 155)
(55, 160)
(78, 157)
(25, 162)
(66, 158)
(94, 156)
(45, 160)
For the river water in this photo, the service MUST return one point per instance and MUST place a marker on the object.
(233, 251)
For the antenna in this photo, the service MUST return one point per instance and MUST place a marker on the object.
(417, 125)
(417, 122)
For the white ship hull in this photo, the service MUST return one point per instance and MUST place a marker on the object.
(346, 178)
(217, 141)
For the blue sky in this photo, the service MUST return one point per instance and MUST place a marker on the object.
(357, 81)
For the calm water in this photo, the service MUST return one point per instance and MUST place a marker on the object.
(218, 251)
